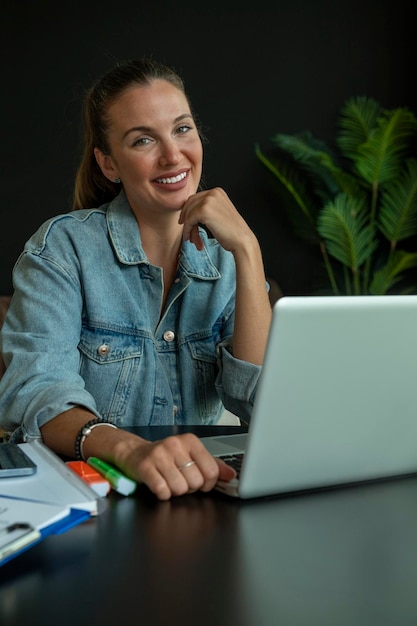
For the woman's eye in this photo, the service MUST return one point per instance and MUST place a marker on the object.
(183, 128)
(141, 141)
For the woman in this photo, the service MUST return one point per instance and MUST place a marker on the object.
(125, 311)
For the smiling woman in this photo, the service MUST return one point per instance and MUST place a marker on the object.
(159, 322)
(153, 149)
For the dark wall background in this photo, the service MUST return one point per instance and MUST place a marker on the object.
(277, 66)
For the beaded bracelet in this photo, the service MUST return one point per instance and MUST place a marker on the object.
(83, 434)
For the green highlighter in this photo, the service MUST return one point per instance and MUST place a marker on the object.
(119, 482)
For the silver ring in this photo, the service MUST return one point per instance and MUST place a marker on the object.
(186, 465)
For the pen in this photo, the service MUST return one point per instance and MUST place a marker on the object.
(120, 483)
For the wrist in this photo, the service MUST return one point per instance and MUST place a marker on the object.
(247, 249)
(85, 432)
(124, 447)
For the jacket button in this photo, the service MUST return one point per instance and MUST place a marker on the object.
(103, 350)
(169, 335)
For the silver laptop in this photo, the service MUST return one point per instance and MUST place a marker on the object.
(337, 397)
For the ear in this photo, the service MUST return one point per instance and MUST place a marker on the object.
(105, 163)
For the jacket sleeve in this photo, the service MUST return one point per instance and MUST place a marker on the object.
(39, 341)
(236, 382)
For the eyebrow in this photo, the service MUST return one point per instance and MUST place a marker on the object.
(148, 129)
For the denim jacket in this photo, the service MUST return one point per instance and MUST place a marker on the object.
(85, 328)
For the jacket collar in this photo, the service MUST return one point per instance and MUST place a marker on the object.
(125, 236)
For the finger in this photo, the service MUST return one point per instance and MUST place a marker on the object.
(171, 481)
(190, 228)
(154, 480)
(192, 475)
(226, 472)
(210, 471)
(187, 477)
(195, 238)
(177, 481)
(186, 465)
(186, 208)
(179, 465)
(160, 473)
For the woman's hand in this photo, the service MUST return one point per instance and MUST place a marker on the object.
(173, 466)
(214, 209)
(169, 467)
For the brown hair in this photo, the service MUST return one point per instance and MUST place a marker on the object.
(92, 188)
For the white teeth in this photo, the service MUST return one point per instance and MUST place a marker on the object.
(173, 179)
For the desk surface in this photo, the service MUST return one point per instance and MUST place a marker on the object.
(340, 557)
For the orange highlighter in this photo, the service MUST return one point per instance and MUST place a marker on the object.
(91, 476)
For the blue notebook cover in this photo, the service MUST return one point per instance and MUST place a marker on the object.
(75, 517)
(32, 536)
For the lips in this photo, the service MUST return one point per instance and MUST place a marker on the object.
(171, 180)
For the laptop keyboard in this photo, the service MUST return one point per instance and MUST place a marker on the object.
(235, 461)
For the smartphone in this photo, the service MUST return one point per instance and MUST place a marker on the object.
(14, 461)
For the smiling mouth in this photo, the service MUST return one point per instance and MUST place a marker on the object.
(172, 179)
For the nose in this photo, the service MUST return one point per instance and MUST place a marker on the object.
(170, 153)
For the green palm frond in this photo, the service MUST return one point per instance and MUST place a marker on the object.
(358, 118)
(389, 275)
(318, 162)
(298, 189)
(398, 211)
(343, 226)
(312, 158)
(361, 200)
(379, 159)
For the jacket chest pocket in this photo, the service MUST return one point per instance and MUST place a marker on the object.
(110, 362)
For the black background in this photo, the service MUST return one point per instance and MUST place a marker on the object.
(282, 66)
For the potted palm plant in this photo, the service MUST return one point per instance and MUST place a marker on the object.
(358, 202)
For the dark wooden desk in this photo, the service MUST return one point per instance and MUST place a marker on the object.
(341, 557)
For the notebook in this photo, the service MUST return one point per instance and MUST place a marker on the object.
(24, 523)
(53, 482)
(337, 397)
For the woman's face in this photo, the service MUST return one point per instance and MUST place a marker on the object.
(155, 148)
